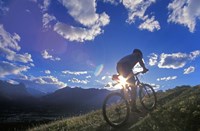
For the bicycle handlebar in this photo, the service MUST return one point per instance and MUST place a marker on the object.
(113, 84)
(141, 72)
(137, 73)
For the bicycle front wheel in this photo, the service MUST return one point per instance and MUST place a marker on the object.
(116, 109)
(147, 97)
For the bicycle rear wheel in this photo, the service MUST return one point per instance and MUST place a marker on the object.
(116, 109)
(147, 97)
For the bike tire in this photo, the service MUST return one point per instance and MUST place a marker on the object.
(109, 110)
(147, 97)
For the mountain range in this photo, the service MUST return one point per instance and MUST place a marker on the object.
(66, 100)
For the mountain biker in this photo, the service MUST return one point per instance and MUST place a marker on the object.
(124, 68)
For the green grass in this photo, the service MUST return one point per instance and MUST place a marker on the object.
(182, 113)
(178, 110)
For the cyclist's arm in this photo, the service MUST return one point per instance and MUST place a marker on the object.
(143, 65)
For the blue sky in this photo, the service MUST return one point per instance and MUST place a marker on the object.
(50, 44)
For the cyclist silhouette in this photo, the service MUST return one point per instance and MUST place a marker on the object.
(124, 68)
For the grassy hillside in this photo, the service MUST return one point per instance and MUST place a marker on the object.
(178, 110)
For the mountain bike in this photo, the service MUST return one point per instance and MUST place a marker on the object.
(116, 106)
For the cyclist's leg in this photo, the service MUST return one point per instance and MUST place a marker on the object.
(123, 70)
(120, 69)
(133, 91)
(127, 72)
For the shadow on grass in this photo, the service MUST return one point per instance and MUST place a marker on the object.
(133, 118)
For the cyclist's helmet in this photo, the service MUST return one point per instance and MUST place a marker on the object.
(138, 51)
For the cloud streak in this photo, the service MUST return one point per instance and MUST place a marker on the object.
(83, 12)
(7, 68)
(167, 78)
(174, 60)
(150, 24)
(47, 72)
(9, 47)
(43, 83)
(153, 59)
(75, 80)
(184, 12)
(177, 60)
(75, 72)
(47, 19)
(189, 70)
(113, 2)
(46, 55)
(137, 9)
(3, 8)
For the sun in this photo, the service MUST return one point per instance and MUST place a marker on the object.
(122, 81)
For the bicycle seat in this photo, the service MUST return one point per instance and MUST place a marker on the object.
(115, 77)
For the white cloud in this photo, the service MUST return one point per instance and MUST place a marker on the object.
(13, 56)
(177, 60)
(84, 12)
(47, 72)
(74, 72)
(8, 40)
(136, 8)
(88, 77)
(174, 60)
(189, 70)
(75, 80)
(7, 68)
(46, 19)
(150, 24)
(79, 34)
(194, 54)
(153, 59)
(46, 55)
(31, 64)
(48, 80)
(22, 77)
(9, 47)
(3, 8)
(43, 83)
(113, 2)
(167, 78)
(184, 12)
(13, 82)
(45, 5)
(103, 77)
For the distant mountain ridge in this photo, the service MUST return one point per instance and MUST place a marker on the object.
(76, 98)
(13, 92)
(66, 100)
(35, 93)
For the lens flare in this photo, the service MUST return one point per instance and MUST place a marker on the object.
(98, 70)
(122, 81)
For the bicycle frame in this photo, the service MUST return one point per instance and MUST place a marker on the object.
(125, 98)
(126, 88)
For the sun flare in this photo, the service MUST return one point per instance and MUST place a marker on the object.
(122, 81)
